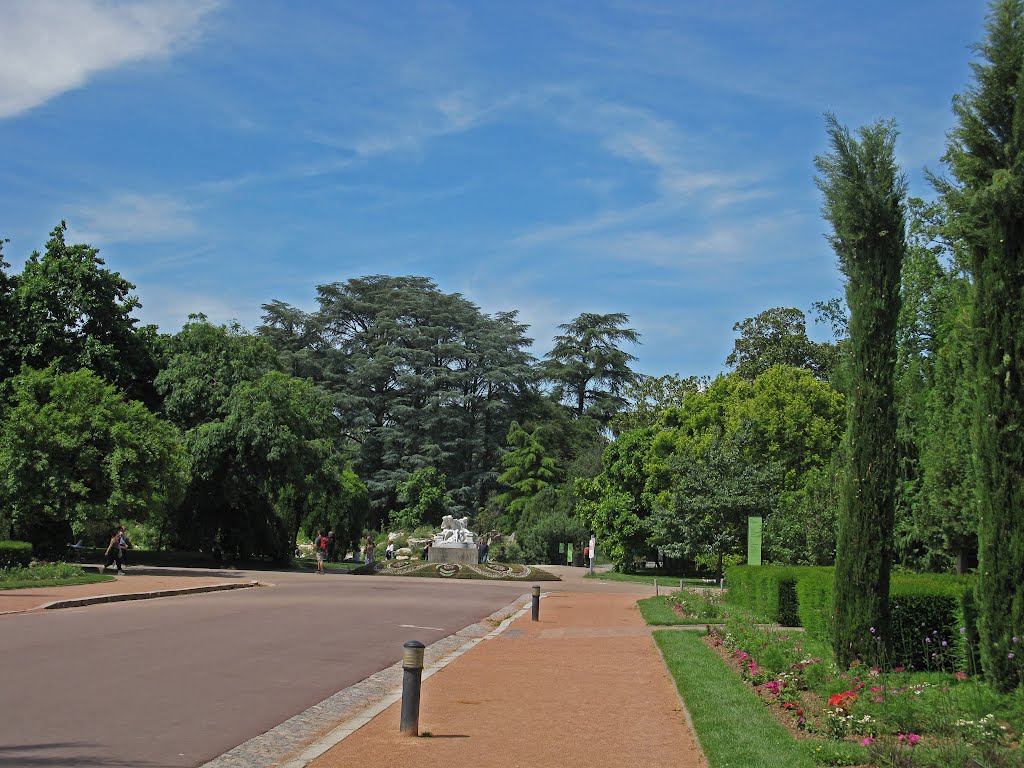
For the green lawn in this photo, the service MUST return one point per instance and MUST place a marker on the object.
(93, 578)
(734, 728)
(657, 611)
(668, 582)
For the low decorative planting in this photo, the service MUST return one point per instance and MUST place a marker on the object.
(883, 716)
(47, 575)
(493, 571)
(733, 727)
(686, 607)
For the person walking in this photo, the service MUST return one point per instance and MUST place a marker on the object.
(113, 553)
(485, 550)
(320, 551)
(332, 546)
(124, 545)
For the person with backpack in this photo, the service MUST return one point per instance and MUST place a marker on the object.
(320, 549)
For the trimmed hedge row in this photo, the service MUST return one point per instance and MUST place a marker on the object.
(934, 622)
(15, 554)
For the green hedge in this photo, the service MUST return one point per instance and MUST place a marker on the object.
(770, 591)
(934, 622)
(15, 554)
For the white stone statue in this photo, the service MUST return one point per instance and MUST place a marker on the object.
(455, 530)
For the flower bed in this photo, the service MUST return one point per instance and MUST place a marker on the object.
(870, 715)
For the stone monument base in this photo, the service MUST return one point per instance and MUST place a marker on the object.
(453, 552)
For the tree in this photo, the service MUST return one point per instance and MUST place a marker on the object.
(586, 366)
(204, 363)
(714, 491)
(8, 328)
(864, 200)
(420, 378)
(528, 471)
(984, 152)
(778, 336)
(425, 497)
(615, 504)
(648, 396)
(77, 456)
(269, 464)
(72, 312)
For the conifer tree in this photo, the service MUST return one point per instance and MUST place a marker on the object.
(985, 154)
(865, 202)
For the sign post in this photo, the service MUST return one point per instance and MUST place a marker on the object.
(754, 527)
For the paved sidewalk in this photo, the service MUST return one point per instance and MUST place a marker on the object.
(585, 686)
(139, 583)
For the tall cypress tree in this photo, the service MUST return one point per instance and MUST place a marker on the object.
(865, 201)
(986, 155)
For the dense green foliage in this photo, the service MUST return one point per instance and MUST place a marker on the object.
(15, 554)
(76, 454)
(778, 336)
(419, 378)
(933, 623)
(984, 155)
(865, 201)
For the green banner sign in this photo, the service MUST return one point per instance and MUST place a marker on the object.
(754, 526)
(568, 553)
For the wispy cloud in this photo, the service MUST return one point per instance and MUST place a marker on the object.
(128, 217)
(48, 47)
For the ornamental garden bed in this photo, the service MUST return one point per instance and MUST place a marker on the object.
(490, 571)
(879, 716)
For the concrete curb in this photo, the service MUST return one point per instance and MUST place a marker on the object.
(116, 598)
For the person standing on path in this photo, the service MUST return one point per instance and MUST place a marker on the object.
(485, 550)
(113, 553)
(369, 550)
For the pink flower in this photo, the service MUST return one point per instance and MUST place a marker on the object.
(867, 740)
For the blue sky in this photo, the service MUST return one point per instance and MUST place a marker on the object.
(653, 158)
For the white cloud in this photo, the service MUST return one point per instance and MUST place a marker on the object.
(48, 47)
(132, 217)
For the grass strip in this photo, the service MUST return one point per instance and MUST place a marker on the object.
(668, 582)
(734, 728)
(657, 611)
(89, 578)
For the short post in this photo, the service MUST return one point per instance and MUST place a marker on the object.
(655, 586)
(680, 584)
(536, 603)
(412, 675)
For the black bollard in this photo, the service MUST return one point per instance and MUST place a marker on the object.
(412, 674)
(536, 603)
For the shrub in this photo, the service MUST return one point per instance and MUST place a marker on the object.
(15, 554)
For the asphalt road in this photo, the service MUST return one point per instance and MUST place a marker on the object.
(177, 681)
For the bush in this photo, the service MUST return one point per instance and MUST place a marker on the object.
(15, 554)
(507, 551)
(928, 611)
(43, 572)
(769, 591)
